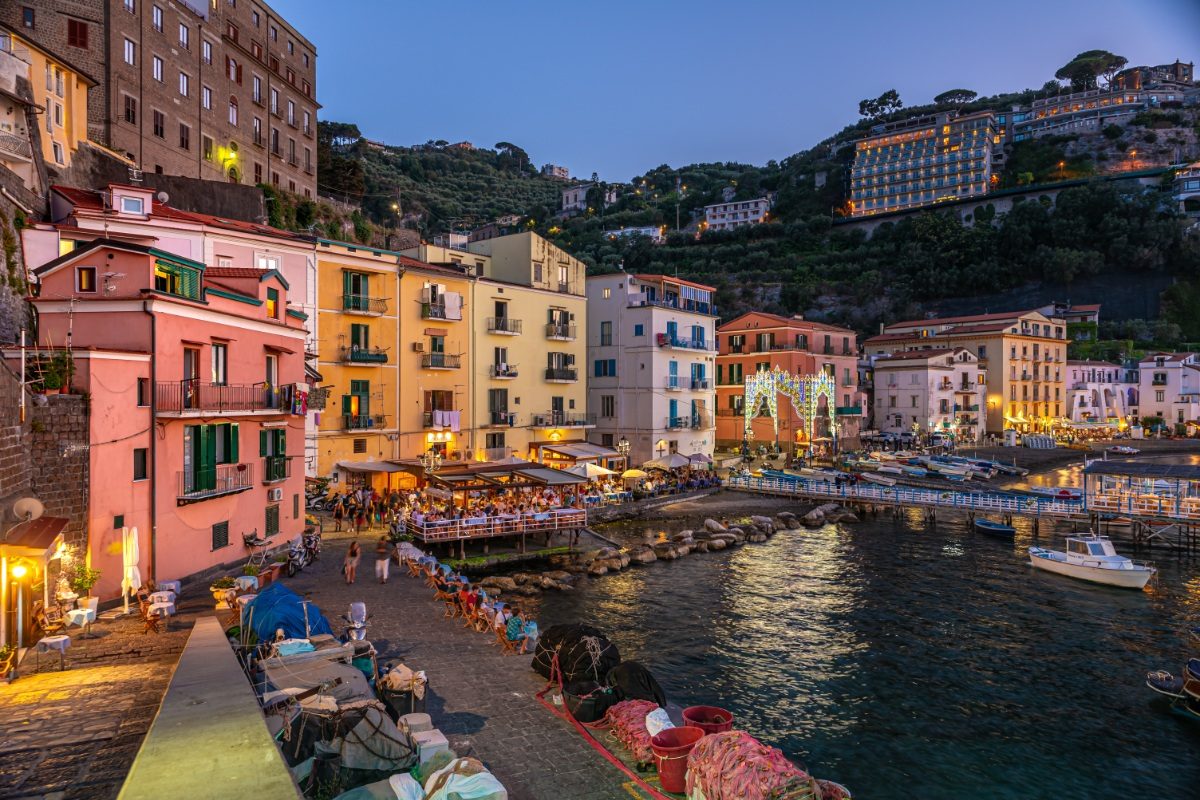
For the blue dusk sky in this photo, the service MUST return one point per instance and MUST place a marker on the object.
(619, 86)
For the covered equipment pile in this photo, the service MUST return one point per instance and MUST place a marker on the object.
(735, 766)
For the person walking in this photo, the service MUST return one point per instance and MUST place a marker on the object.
(350, 564)
(383, 558)
(339, 513)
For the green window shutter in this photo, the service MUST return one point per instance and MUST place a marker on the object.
(347, 404)
(262, 438)
(346, 278)
(272, 520)
(280, 443)
(232, 448)
(206, 457)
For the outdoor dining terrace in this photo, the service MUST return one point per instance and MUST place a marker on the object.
(1169, 491)
(452, 530)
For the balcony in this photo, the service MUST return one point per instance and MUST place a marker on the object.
(193, 397)
(699, 384)
(427, 420)
(362, 422)
(562, 374)
(194, 486)
(276, 469)
(667, 340)
(433, 311)
(502, 419)
(496, 453)
(561, 333)
(366, 356)
(687, 421)
(504, 326)
(696, 307)
(562, 419)
(1158, 382)
(674, 383)
(730, 412)
(440, 361)
(15, 145)
(503, 372)
(361, 304)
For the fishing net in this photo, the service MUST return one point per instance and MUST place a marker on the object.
(634, 682)
(736, 766)
(583, 653)
(627, 721)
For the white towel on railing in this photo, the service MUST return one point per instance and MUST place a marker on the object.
(453, 305)
(453, 420)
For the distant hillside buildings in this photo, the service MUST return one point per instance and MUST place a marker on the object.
(736, 214)
(555, 171)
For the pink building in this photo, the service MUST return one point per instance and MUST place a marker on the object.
(198, 400)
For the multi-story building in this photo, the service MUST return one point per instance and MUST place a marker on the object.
(1079, 112)
(734, 214)
(1178, 75)
(758, 340)
(59, 93)
(921, 161)
(1169, 388)
(1099, 394)
(214, 90)
(198, 402)
(651, 355)
(1023, 352)
(655, 233)
(930, 391)
(556, 171)
(1187, 190)
(574, 198)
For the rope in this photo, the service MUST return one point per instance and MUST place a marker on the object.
(565, 713)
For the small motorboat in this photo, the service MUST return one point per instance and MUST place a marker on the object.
(892, 469)
(873, 477)
(1124, 450)
(1090, 557)
(915, 472)
(1058, 492)
(996, 529)
(1165, 683)
(1183, 691)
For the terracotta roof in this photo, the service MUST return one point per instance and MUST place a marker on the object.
(413, 263)
(1168, 356)
(668, 278)
(1084, 307)
(934, 321)
(983, 328)
(1087, 362)
(37, 534)
(235, 272)
(889, 337)
(790, 322)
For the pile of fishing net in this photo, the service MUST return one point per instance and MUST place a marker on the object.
(736, 766)
(583, 653)
(627, 722)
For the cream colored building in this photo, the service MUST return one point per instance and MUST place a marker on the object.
(934, 391)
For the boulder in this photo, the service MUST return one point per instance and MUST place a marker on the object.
(713, 526)
(700, 547)
(546, 582)
(498, 583)
(526, 590)
(716, 544)
(643, 554)
(665, 551)
(757, 538)
(814, 518)
(686, 536)
(615, 564)
(848, 517)
(558, 575)
(739, 535)
(765, 523)
(597, 569)
(702, 535)
(522, 578)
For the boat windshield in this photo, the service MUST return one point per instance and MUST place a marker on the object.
(1096, 549)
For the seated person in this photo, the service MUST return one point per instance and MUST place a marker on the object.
(514, 629)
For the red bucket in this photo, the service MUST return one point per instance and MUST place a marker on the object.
(709, 719)
(671, 748)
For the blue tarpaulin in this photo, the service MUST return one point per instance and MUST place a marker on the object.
(279, 607)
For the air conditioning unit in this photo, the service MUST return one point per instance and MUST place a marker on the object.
(274, 495)
(418, 347)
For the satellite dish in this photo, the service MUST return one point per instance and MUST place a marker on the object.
(28, 508)
(162, 197)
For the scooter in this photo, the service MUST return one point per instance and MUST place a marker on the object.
(356, 622)
(312, 544)
(298, 556)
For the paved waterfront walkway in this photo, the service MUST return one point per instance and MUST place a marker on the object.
(74, 733)
(484, 702)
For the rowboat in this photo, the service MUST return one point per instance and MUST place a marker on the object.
(916, 472)
(1089, 557)
(1124, 450)
(996, 529)
(882, 480)
(892, 469)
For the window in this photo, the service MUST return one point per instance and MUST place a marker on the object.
(258, 172)
(275, 102)
(291, 112)
(360, 336)
(220, 535)
(273, 303)
(143, 392)
(605, 333)
(77, 33)
(307, 122)
(206, 97)
(291, 76)
(305, 59)
(156, 18)
(606, 368)
(639, 330)
(132, 205)
(206, 144)
(1159, 396)
(274, 34)
(206, 51)
(140, 461)
(291, 47)
(256, 88)
(131, 6)
(272, 521)
(608, 405)
(27, 16)
(360, 445)
(234, 70)
(85, 279)
(185, 137)
(160, 124)
(130, 53)
(58, 114)
(185, 37)
(184, 84)
(231, 31)
(254, 17)
(220, 364)
(233, 111)
(494, 441)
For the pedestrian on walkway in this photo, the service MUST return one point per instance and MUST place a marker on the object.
(383, 557)
(360, 518)
(339, 513)
(350, 564)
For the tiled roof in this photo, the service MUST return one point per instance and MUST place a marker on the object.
(235, 272)
(789, 322)
(413, 263)
(908, 355)
(669, 279)
(889, 337)
(935, 321)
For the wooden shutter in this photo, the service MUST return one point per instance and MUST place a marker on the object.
(206, 457)
(231, 447)
(262, 439)
(280, 444)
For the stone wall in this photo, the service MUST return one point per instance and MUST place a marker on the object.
(14, 311)
(14, 445)
(58, 461)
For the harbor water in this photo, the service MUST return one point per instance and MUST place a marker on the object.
(905, 661)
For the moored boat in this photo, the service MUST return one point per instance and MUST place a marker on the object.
(882, 480)
(996, 529)
(1124, 450)
(1089, 557)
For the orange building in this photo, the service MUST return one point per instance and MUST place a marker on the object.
(758, 340)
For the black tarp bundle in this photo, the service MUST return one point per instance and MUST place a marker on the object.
(583, 653)
(632, 681)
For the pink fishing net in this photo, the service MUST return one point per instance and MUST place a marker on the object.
(736, 766)
(627, 720)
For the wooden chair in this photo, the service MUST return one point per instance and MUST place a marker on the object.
(49, 621)
(150, 620)
(506, 645)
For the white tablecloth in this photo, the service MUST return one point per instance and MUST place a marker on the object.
(162, 597)
(81, 616)
(59, 643)
(246, 582)
(162, 609)
(170, 586)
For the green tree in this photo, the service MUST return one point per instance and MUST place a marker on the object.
(955, 97)
(1084, 69)
(881, 106)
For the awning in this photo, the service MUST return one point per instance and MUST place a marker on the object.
(550, 477)
(582, 450)
(36, 535)
(313, 376)
(371, 466)
(668, 462)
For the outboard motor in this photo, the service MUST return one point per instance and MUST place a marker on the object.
(356, 622)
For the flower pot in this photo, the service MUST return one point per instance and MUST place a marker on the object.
(265, 576)
(220, 593)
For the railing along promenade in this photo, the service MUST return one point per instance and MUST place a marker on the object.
(452, 530)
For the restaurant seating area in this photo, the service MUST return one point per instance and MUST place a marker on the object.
(1143, 489)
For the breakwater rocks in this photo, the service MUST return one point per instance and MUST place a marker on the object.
(570, 568)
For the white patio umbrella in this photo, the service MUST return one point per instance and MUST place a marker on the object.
(131, 574)
(668, 462)
(587, 469)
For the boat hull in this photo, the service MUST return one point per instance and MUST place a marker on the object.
(1121, 578)
(995, 529)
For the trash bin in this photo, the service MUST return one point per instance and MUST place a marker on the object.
(709, 719)
(671, 748)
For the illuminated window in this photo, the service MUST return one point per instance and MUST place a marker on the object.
(85, 279)
(273, 303)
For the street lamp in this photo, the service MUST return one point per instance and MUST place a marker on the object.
(623, 446)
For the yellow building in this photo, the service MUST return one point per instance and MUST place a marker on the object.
(59, 92)
(359, 358)
(433, 313)
(1024, 353)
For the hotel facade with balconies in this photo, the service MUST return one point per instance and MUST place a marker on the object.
(758, 340)
(651, 357)
(930, 391)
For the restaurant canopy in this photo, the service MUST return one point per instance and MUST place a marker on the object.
(586, 469)
(490, 477)
(668, 462)
(582, 451)
(1142, 469)
(371, 466)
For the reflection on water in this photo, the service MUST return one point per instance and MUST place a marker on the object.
(907, 661)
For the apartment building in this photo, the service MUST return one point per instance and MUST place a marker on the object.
(59, 98)
(574, 198)
(1169, 389)
(922, 161)
(1099, 393)
(938, 391)
(218, 90)
(652, 352)
(1023, 353)
(758, 340)
(555, 171)
(1078, 112)
(735, 214)
(657, 234)
(198, 402)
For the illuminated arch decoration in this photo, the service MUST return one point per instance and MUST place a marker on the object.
(804, 392)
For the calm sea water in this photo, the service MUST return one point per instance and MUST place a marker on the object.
(914, 662)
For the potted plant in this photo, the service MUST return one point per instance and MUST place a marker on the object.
(82, 579)
(8, 662)
(220, 588)
(52, 381)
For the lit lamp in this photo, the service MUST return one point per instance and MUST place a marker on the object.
(19, 570)
(431, 460)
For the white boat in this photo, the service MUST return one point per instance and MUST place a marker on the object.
(1092, 558)
(892, 469)
(879, 479)
(1124, 450)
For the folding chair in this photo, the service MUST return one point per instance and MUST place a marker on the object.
(150, 620)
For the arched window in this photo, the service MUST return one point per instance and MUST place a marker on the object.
(233, 111)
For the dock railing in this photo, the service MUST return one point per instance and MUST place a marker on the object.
(452, 530)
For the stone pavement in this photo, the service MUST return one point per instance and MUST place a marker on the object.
(73, 734)
(483, 701)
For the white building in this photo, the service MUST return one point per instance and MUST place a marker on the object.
(654, 233)
(651, 360)
(1098, 392)
(1169, 387)
(940, 391)
(555, 171)
(725, 216)
(574, 198)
